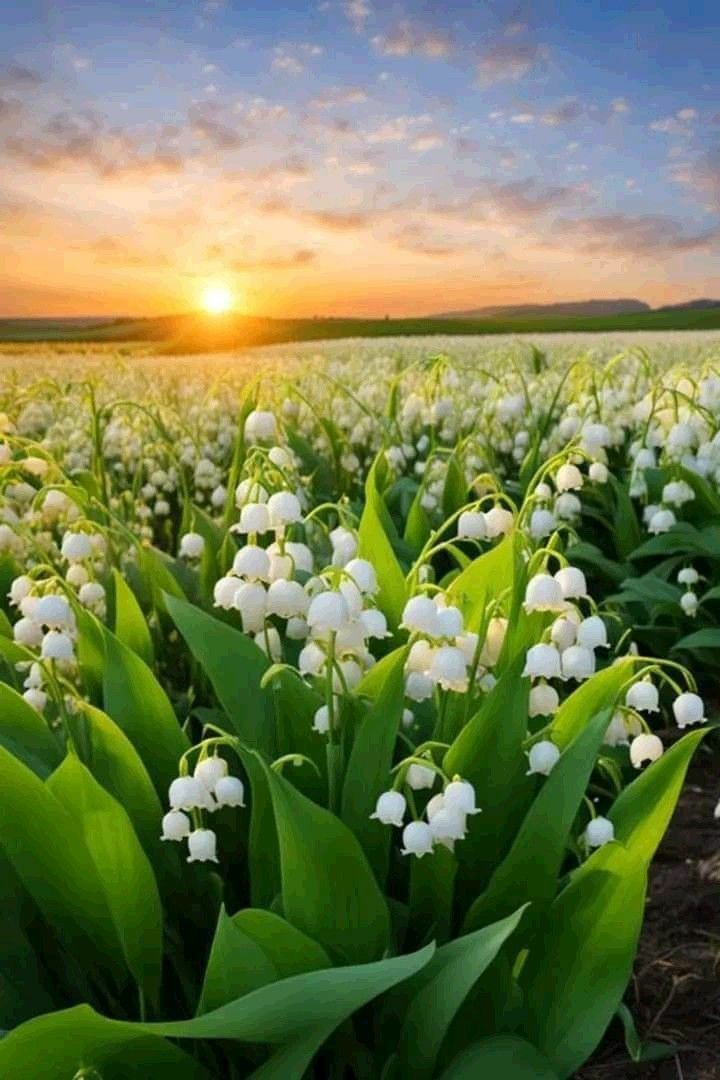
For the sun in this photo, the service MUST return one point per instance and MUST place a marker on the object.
(217, 299)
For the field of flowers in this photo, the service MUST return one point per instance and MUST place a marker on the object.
(346, 694)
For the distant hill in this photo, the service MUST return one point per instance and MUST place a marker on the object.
(572, 307)
(692, 305)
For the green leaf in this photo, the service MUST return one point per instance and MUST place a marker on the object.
(328, 889)
(125, 873)
(297, 1013)
(597, 693)
(130, 625)
(530, 869)
(455, 488)
(61, 1044)
(642, 812)
(235, 665)
(577, 970)
(42, 842)
(502, 1056)
(25, 733)
(368, 770)
(445, 984)
(373, 534)
(291, 951)
(709, 638)
(627, 534)
(236, 966)
(495, 734)
(140, 707)
(484, 579)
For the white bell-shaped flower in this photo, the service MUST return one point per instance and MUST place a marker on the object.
(209, 770)
(229, 791)
(643, 696)
(543, 756)
(202, 845)
(542, 523)
(57, 646)
(418, 686)
(420, 616)
(27, 632)
(687, 576)
(599, 831)
(76, 546)
(617, 733)
(321, 720)
(689, 603)
(419, 777)
(498, 521)
(645, 748)
(36, 698)
(374, 623)
(598, 472)
(287, 599)
(448, 669)
(472, 525)
(260, 426)
(311, 660)
(363, 574)
(284, 508)
(572, 582)
(417, 839)
(447, 826)
(542, 662)
(328, 612)
(563, 633)
(252, 563)
(544, 700)
(460, 795)
(688, 709)
(19, 588)
(175, 825)
(592, 633)
(192, 545)
(390, 808)
(254, 518)
(251, 601)
(53, 611)
(543, 593)
(91, 594)
(568, 478)
(661, 522)
(577, 662)
(449, 622)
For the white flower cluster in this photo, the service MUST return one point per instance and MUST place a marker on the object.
(573, 639)
(208, 789)
(46, 622)
(446, 813)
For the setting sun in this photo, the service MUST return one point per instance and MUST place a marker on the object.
(217, 299)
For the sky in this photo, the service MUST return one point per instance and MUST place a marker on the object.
(356, 157)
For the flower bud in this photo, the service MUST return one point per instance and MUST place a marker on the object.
(419, 777)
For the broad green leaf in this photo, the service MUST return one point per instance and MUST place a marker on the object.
(130, 625)
(627, 534)
(116, 764)
(235, 665)
(375, 545)
(295, 1012)
(291, 951)
(507, 1057)
(708, 638)
(577, 970)
(488, 752)
(455, 488)
(125, 873)
(328, 889)
(530, 869)
(636, 1048)
(642, 812)
(485, 578)
(25, 733)
(594, 695)
(61, 1044)
(42, 842)
(368, 769)
(294, 705)
(236, 966)
(445, 983)
(431, 896)
(140, 707)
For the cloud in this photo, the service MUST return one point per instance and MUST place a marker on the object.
(357, 12)
(287, 63)
(645, 236)
(336, 96)
(702, 178)
(340, 220)
(18, 76)
(510, 61)
(409, 39)
(300, 257)
(423, 143)
(208, 120)
(81, 139)
(680, 123)
(566, 113)
(619, 105)
(398, 129)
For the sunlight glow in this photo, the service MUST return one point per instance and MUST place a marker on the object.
(217, 299)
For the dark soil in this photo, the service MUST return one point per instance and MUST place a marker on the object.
(675, 993)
